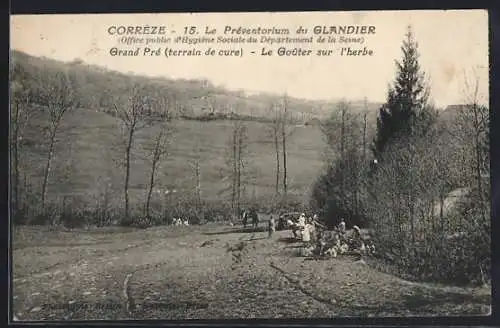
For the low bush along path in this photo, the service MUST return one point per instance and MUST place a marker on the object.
(210, 271)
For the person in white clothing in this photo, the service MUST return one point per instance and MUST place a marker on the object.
(306, 233)
(342, 226)
(302, 220)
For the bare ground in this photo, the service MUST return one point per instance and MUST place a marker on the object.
(210, 271)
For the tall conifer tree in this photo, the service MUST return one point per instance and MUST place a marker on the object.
(406, 110)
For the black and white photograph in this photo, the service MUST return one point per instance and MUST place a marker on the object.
(251, 165)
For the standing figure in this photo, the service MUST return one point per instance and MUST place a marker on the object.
(308, 233)
(255, 219)
(356, 232)
(320, 243)
(302, 220)
(245, 219)
(272, 226)
(300, 225)
(356, 238)
(293, 227)
(341, 227)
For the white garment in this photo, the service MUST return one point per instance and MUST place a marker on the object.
(342, 226)
(306, 234)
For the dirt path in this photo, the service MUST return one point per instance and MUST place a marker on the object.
(168, 273)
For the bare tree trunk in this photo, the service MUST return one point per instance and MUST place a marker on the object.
(364, 165)
(15, 164)
(276, 145)
(238, 171)
(127, 170)
(58, 96)
(151, 185)
(234, 177)
(198, 180)
(17, 133)
(441, 220)
(275, 129)
(479, 125)
(342, 134)
(441, 210)
(400, 226)
(477, 147)
(283, 131)
(342, 155)
(356, 195)
(157, 153)
(412, 220)
(364, 138)
(48, 165)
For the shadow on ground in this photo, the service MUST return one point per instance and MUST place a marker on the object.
(259, 238)
(237, 230)
(429, 300)
(288, 240)
(61, 244)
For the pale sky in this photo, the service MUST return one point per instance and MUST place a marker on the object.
(450, 42)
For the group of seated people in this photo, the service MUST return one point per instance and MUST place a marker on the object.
(179, 222)
(332, 242)
(343, 242)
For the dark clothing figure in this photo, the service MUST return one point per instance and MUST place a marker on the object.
(272, 226)
(320, 243)
(356, 232)
(357, 240)
(255, 219)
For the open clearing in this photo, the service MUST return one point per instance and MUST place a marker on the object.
(188, 273)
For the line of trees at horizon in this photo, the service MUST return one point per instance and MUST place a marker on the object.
(191, 99)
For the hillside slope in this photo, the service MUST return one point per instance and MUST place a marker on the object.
(90, 144)
(191, 97)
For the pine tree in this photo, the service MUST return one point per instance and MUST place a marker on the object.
(406, 110)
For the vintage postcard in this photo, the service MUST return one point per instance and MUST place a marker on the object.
(250, 165)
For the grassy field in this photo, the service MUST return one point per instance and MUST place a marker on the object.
(89, 147)
(187, 273)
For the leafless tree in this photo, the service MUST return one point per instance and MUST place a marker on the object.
(57, 93)
(280, 133)
(162, 104)
(343, 108)
(157, 153)
(342, 136)
(131, 110)
(284, 141)
(195, 163)
(21, 98)
(237, 162)
(365, 116)
(473, 125)
(275, 129)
